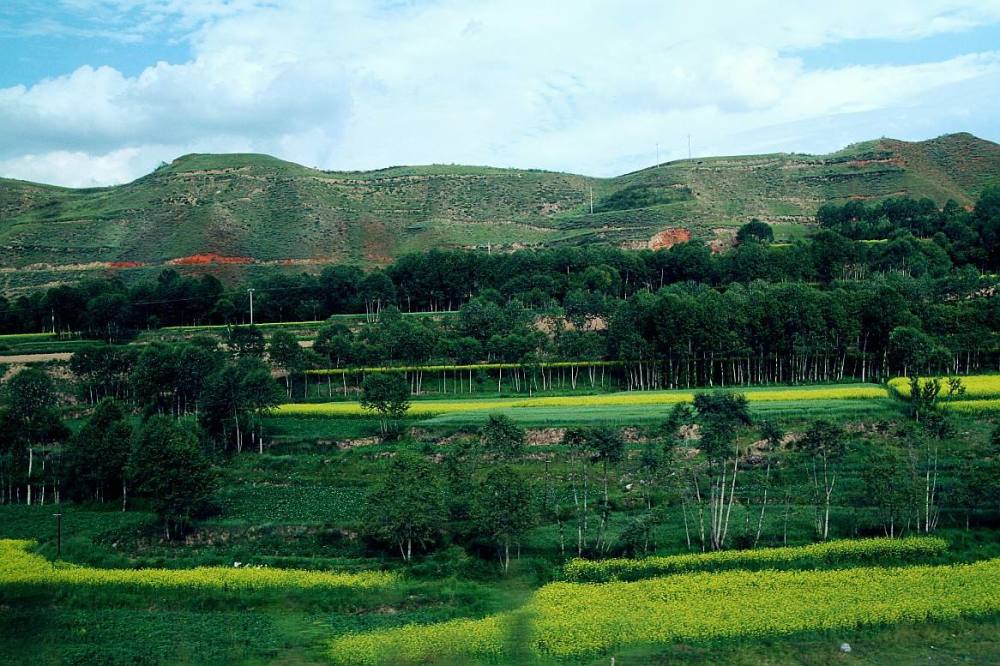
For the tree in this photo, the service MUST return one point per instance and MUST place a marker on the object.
(285, 353)
(388, 395)
(889, 488)
(407, 504)
(245, 341)
(772, 435)
(607, 447)
(96, 457)
(502, 437)
(755, 230)
(234, 399)
(720, 416)
(29, 420)
(503, 510)
(825, 446)
(167, 466)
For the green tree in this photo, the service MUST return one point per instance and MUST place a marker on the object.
(96, 456)
(245, 341)
(503, 511)
(235, 398)
(889, 486)
(407, 504)
(720, 416)
(755, 230)
(28, 420)
(607, 447)
(285, 353)
(502, 437)
(167, 466)
(386, 394)
(824, 446)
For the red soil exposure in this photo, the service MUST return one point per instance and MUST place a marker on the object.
(126, 264)
(209, 258)
(667, 238)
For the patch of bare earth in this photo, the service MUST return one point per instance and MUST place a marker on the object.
(666, 239)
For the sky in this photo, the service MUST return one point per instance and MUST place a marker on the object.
(99, 92)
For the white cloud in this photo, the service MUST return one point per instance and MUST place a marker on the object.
(585, 86)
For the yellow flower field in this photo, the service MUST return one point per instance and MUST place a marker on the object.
(841, 552)
(652, 398)
(972, 405)
(578, 620)
(19, 566)
(976, 386)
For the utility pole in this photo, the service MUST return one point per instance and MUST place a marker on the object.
(689, 146)
(657, 153)
(591, 199)
(251, 305)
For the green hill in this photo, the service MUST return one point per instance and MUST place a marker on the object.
(261, 210)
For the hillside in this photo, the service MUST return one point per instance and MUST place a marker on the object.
(243, 208)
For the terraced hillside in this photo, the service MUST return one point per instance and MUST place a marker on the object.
(253, 209)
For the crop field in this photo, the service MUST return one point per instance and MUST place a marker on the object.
(872, 551)
(976, 387)
(973, 406)
(633, 405)
(578, 620)
(22, 569)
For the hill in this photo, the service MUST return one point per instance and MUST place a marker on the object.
(243, 209)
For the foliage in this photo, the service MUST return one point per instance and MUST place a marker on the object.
(386, 395)
(502, 437)
(755, 230)
(168, 467)
(503, 509)
(96, 456)
(407, 505)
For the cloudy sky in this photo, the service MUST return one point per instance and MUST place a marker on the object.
(96, 92)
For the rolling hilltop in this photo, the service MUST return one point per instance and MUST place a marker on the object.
(243, 208)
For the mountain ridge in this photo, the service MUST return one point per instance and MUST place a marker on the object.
(254, 208)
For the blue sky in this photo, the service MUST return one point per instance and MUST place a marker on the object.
(95, 92)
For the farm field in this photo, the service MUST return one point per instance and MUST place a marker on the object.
(642, 406)
(571, 620)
